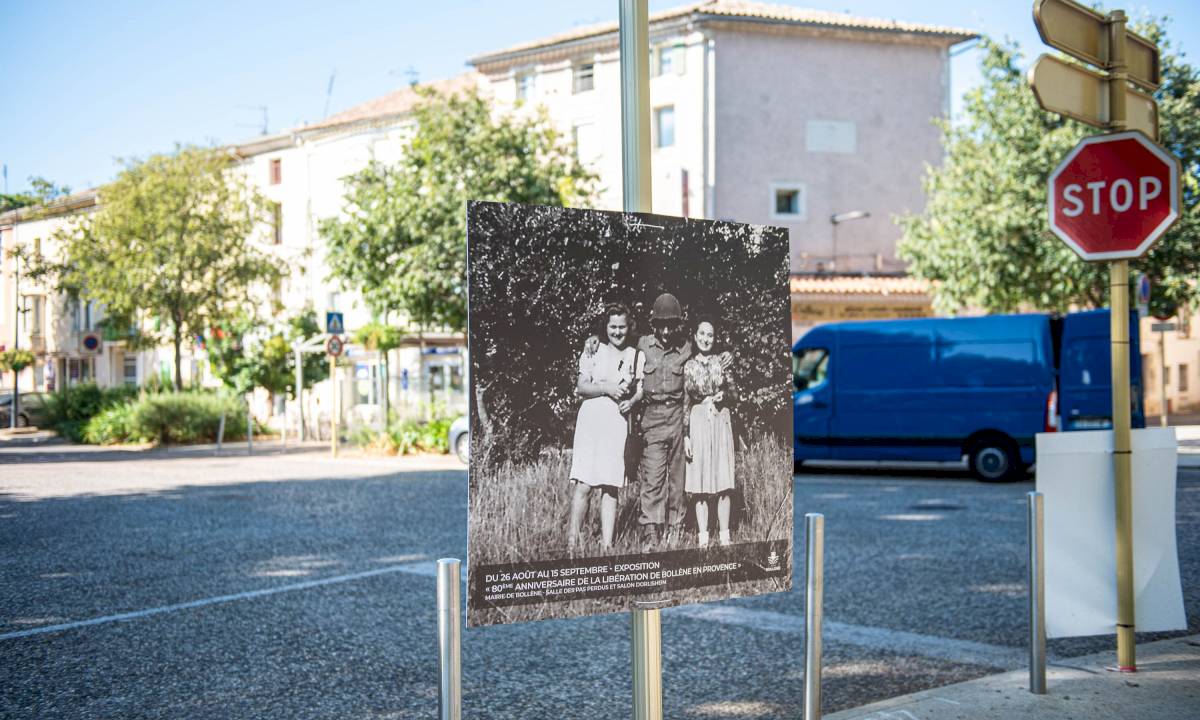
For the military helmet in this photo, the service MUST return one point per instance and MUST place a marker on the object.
(666, 307)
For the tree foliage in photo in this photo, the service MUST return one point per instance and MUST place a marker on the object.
(401, 238)
(172, 240)
(984, 237)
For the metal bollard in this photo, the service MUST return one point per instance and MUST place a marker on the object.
(814, 571)
(220, 431)
(1037, 595)
(449, 640)
(646, 646)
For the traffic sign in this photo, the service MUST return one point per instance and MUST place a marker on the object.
(1143, 295)
(1163, 327)
(1073, 90)
(1114, 195)
(1083, 33)
(334, 324)
(90, 342)
(334, 346)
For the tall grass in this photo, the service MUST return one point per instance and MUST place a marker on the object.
(519, 514)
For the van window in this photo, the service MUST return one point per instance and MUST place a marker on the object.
(881, 366)
(810, 367)
(987, 364)
(1086, 362)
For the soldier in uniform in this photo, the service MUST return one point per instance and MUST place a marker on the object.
(663, 404)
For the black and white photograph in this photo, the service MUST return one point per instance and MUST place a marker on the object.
(630, 411)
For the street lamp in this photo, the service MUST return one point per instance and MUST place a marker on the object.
(839, 218)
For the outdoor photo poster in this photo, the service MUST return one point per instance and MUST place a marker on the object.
(630, 412)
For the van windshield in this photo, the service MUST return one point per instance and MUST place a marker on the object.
(809, 367)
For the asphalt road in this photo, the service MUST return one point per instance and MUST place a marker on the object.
(166, 585)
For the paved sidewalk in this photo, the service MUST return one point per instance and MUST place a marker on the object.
(1166, 687)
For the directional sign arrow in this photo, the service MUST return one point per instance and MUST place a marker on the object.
(1073, 90)
(1082, 32)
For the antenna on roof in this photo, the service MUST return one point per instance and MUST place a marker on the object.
(263, 110)
(329, 93)
(410, 72)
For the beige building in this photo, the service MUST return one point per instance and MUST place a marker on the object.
(1181, 349)
(760, 113)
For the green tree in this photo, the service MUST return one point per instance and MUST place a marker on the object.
(244, 357)
(172, 240)
(41, 191)
(984, 238)
(400, 239)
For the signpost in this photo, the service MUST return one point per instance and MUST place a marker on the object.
(334, 347)
(1162, 328)
(1110, 199)
(1079, 93)
(1143, 295)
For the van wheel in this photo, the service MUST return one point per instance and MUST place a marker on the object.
(995, 459)
(462, 448)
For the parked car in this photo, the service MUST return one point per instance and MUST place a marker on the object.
(460, 438)
(31, 410)
(940, 389)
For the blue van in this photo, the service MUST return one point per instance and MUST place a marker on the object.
(941, 389)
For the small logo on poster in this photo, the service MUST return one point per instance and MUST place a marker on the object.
(773, 562)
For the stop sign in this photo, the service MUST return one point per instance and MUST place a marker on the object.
(1114, 195)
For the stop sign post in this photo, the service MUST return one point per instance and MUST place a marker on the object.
(1110, 199)
(1114, 195)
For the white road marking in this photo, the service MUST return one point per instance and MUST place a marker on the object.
(876, 638)
(410, 568)
(894, 641)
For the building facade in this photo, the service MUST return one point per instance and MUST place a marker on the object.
(760, 113)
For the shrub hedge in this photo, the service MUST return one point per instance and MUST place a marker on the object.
(168, 418)
(403, 438)
(69, 410)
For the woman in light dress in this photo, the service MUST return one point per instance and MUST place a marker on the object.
(610, 381)
(710, 448)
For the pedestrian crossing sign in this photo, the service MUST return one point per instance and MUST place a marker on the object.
(334, 324)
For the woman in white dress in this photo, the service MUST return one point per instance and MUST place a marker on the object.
(610, 381)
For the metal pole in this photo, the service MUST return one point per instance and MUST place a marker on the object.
(1162, 377)
(300, 391)
(1122, 461)
(449, 640)
(1037, 594)
(814, 571)
(15, 406)
(335, 412)
(221, 429)
(634, 41)
(646, 636)
(249, 428)
(635, 106)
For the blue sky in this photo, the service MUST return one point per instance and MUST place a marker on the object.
(86, 83)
